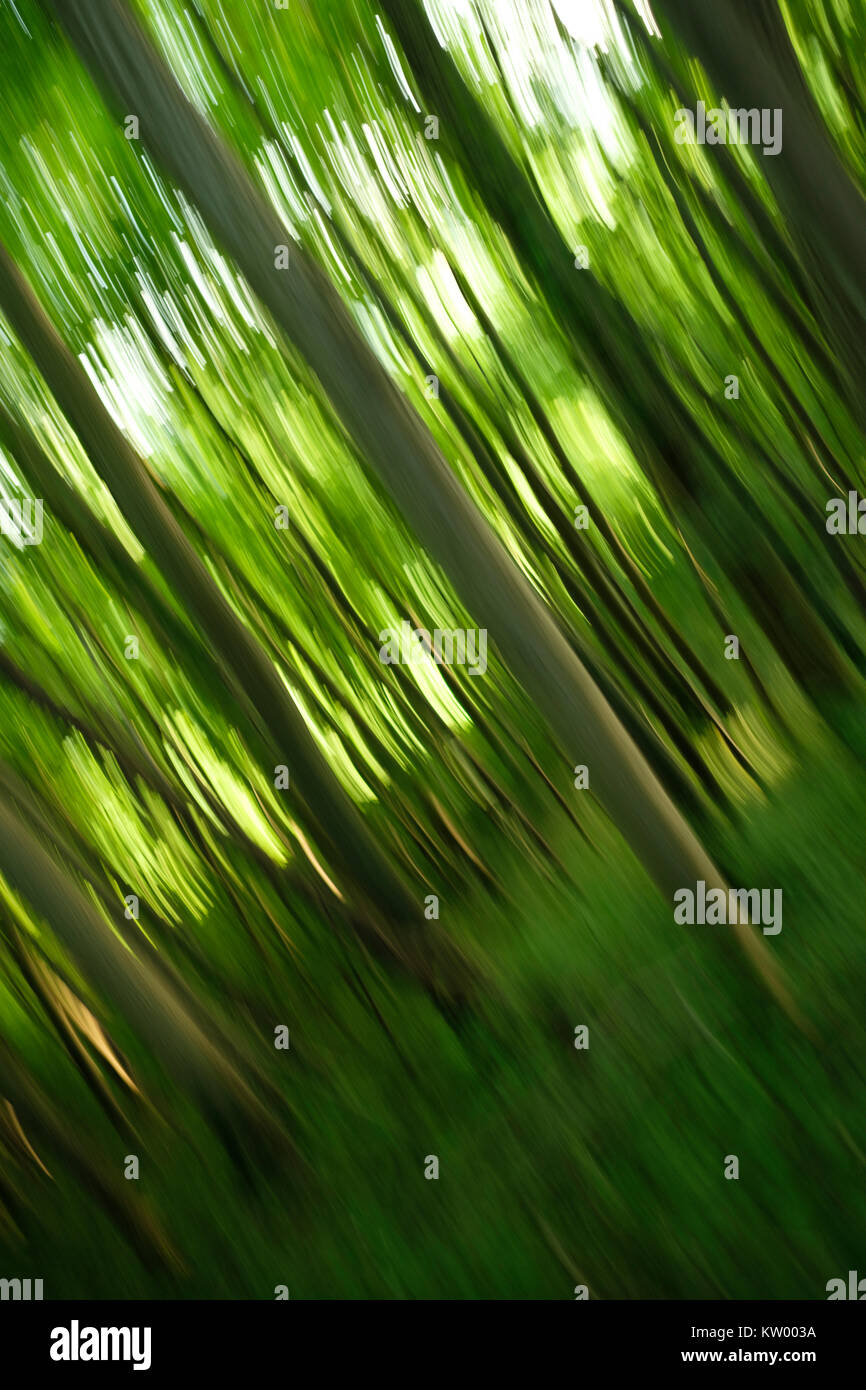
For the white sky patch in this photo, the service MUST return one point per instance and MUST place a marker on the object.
(355, 176)
(374, 140)
(584, 20)
(279, 185)
(195, 43)
(646, 14)
(378, 334)
(342, 154)
(168, 321)
(335, 255)
(127, 395)
(134, 339)
(396, 67)
(297, 149)
(237, 291)
(152, 306)
(442, 171)
(8, 475)
(448, 18)
(159, 189)
(539, 69)
(441, 289)
(185, 58)
(205, 290)
(470, 249)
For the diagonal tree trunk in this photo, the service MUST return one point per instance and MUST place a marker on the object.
(148, 1002)
(493, 407)
(746, 49)
(247, 667)
(46, 1122)
(397, 443)
(610, 345)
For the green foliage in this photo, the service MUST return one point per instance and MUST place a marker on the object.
(151, 1032)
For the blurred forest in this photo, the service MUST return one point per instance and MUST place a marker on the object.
(322, 317)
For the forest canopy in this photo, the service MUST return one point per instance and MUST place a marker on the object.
(431, 438)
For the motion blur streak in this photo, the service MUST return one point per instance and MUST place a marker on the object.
(345, 343)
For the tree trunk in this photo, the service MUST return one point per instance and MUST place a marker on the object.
(611, 347)
(270, 708)
(396, 441)
(749, 57)
(149, 1004)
